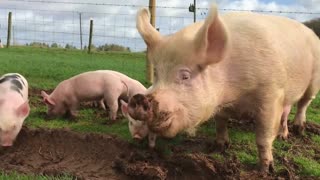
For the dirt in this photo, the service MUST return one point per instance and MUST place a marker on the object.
(96, 156)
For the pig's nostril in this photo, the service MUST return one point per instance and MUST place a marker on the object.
(146, 107)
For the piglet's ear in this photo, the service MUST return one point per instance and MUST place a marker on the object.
(23, 110)
(149, 34)
(47, 99)
(212, 38)
(124, 108)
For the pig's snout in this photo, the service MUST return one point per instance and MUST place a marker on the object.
(6, 140)
(6, 144)
(137, 137)
(140, 108)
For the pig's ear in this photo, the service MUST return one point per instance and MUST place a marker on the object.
(149, 34)
(47, 99)
(212, 38)
(124, 108)
(23, 110)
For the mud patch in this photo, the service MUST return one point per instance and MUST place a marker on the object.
(55, 152)
(96, 156)
(178, 166)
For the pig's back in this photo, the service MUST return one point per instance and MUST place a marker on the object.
(277, 50)
(134, 86)
(91, 85)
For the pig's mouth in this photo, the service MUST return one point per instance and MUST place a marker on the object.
(161, 122)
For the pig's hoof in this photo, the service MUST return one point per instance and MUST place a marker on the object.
(222, 146)
(298, 129)
(265, 169)
(152, 146)
(283, 136)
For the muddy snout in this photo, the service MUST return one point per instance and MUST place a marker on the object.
(146, 108)
(140, 108)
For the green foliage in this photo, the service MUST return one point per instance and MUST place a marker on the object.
(113, 47)
(38, 44)
(314, 24)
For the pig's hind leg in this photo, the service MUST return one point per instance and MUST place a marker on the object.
(302, 105)
(112, 102)
(283, 130)
(267, 127)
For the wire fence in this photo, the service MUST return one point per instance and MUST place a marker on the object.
(116, 25)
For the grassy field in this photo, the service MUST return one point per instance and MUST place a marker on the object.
(45, 68)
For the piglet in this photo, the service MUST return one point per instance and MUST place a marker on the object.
(105, 85)
(138, 129)
(14, 106)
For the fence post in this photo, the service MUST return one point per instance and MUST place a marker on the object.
(150, 70)
(195, 11)
(9, 29)
(80, 30)
(90, 36)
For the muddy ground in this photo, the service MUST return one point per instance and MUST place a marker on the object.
(95, 156)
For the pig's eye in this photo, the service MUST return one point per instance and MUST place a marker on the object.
(184, 75)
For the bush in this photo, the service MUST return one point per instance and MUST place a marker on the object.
(113, 47)
(314, 24)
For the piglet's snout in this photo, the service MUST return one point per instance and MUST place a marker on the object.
(137, 137)
(6, 140)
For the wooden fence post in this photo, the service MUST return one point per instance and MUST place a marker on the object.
(9, 29)
(90, 36)
(149, 66)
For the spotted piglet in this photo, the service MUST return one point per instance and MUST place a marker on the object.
(14, 106)
(138, 129)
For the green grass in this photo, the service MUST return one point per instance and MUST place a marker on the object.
(45, 68)
(17, 176)
(307, 166)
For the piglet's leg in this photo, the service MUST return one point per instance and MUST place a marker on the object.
(152, 140)
(111, 99)
(222, 136)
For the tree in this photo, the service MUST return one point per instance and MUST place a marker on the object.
(68, 46)
(113, 47)
(314, 24)
(54, 45)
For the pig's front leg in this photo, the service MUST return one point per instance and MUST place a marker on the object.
(152, 140)
(267, 126)
(222, 136)
(73, 111)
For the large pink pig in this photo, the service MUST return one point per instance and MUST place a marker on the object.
(91, 86)
(14, 106)
(254, 63)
